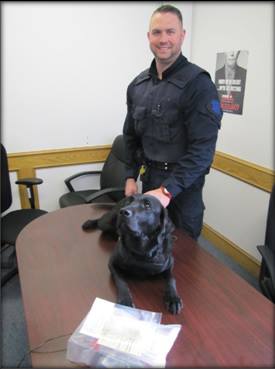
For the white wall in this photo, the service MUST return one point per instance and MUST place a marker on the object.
(65, 68)
(235, 209)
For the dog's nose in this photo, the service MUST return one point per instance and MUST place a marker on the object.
(125, 212)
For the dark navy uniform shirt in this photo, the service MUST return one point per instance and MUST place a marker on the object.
(175, 120)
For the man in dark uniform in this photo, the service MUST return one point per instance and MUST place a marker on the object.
(171, 125)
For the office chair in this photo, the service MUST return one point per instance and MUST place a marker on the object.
(13, 222)
(267, 270)
(112, 179)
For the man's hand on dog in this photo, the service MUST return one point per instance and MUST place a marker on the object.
(164, 200)
(131, 188)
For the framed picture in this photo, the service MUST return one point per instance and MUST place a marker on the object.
(230, 80)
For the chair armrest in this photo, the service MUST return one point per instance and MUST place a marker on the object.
(80, 174)
(100, 193)
(269, 259)
(29, 181)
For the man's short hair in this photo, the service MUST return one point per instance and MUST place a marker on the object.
(169, 9)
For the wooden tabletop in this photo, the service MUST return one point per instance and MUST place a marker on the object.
(62, 269)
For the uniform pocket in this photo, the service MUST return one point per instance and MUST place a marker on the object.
(139, 116)
(165, 125)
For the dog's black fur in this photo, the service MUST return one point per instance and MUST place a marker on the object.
(144, 248)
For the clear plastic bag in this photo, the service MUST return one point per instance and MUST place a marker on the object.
(114, 335)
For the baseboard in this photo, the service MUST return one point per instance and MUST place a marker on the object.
(248, 262)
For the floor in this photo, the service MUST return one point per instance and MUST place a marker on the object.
(14, 335)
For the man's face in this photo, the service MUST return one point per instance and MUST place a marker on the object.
(165, 37)
(231, 58)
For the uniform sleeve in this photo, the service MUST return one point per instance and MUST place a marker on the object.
(132, 142)
(202, 119)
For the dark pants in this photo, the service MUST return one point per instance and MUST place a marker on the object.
(185, 210)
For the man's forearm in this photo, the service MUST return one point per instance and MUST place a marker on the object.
(131, 187)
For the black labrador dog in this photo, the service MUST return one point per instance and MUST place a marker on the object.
(144, 248)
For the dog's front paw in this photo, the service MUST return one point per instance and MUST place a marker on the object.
(173, 304)
(89, 224)
(126, 300)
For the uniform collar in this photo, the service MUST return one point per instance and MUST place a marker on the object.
(178, 64)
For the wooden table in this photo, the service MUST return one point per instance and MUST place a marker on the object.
(225, 321)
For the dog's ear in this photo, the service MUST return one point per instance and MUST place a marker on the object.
(167, 225)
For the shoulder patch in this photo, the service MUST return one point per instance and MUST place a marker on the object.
(215, 107)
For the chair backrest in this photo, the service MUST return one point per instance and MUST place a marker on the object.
(270, 222)
(113, 171)
(6, 196)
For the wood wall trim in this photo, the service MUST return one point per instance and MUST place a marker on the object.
(58, 158)
(26, 163)
(245, 171)
(246, 260)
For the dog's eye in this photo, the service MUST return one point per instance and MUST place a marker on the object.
(147, 204)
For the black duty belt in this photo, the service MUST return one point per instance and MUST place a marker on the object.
(160, 165)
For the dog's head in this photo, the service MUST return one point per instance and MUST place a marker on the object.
(144, 216)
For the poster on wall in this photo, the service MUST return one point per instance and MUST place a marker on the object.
(230, 79)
